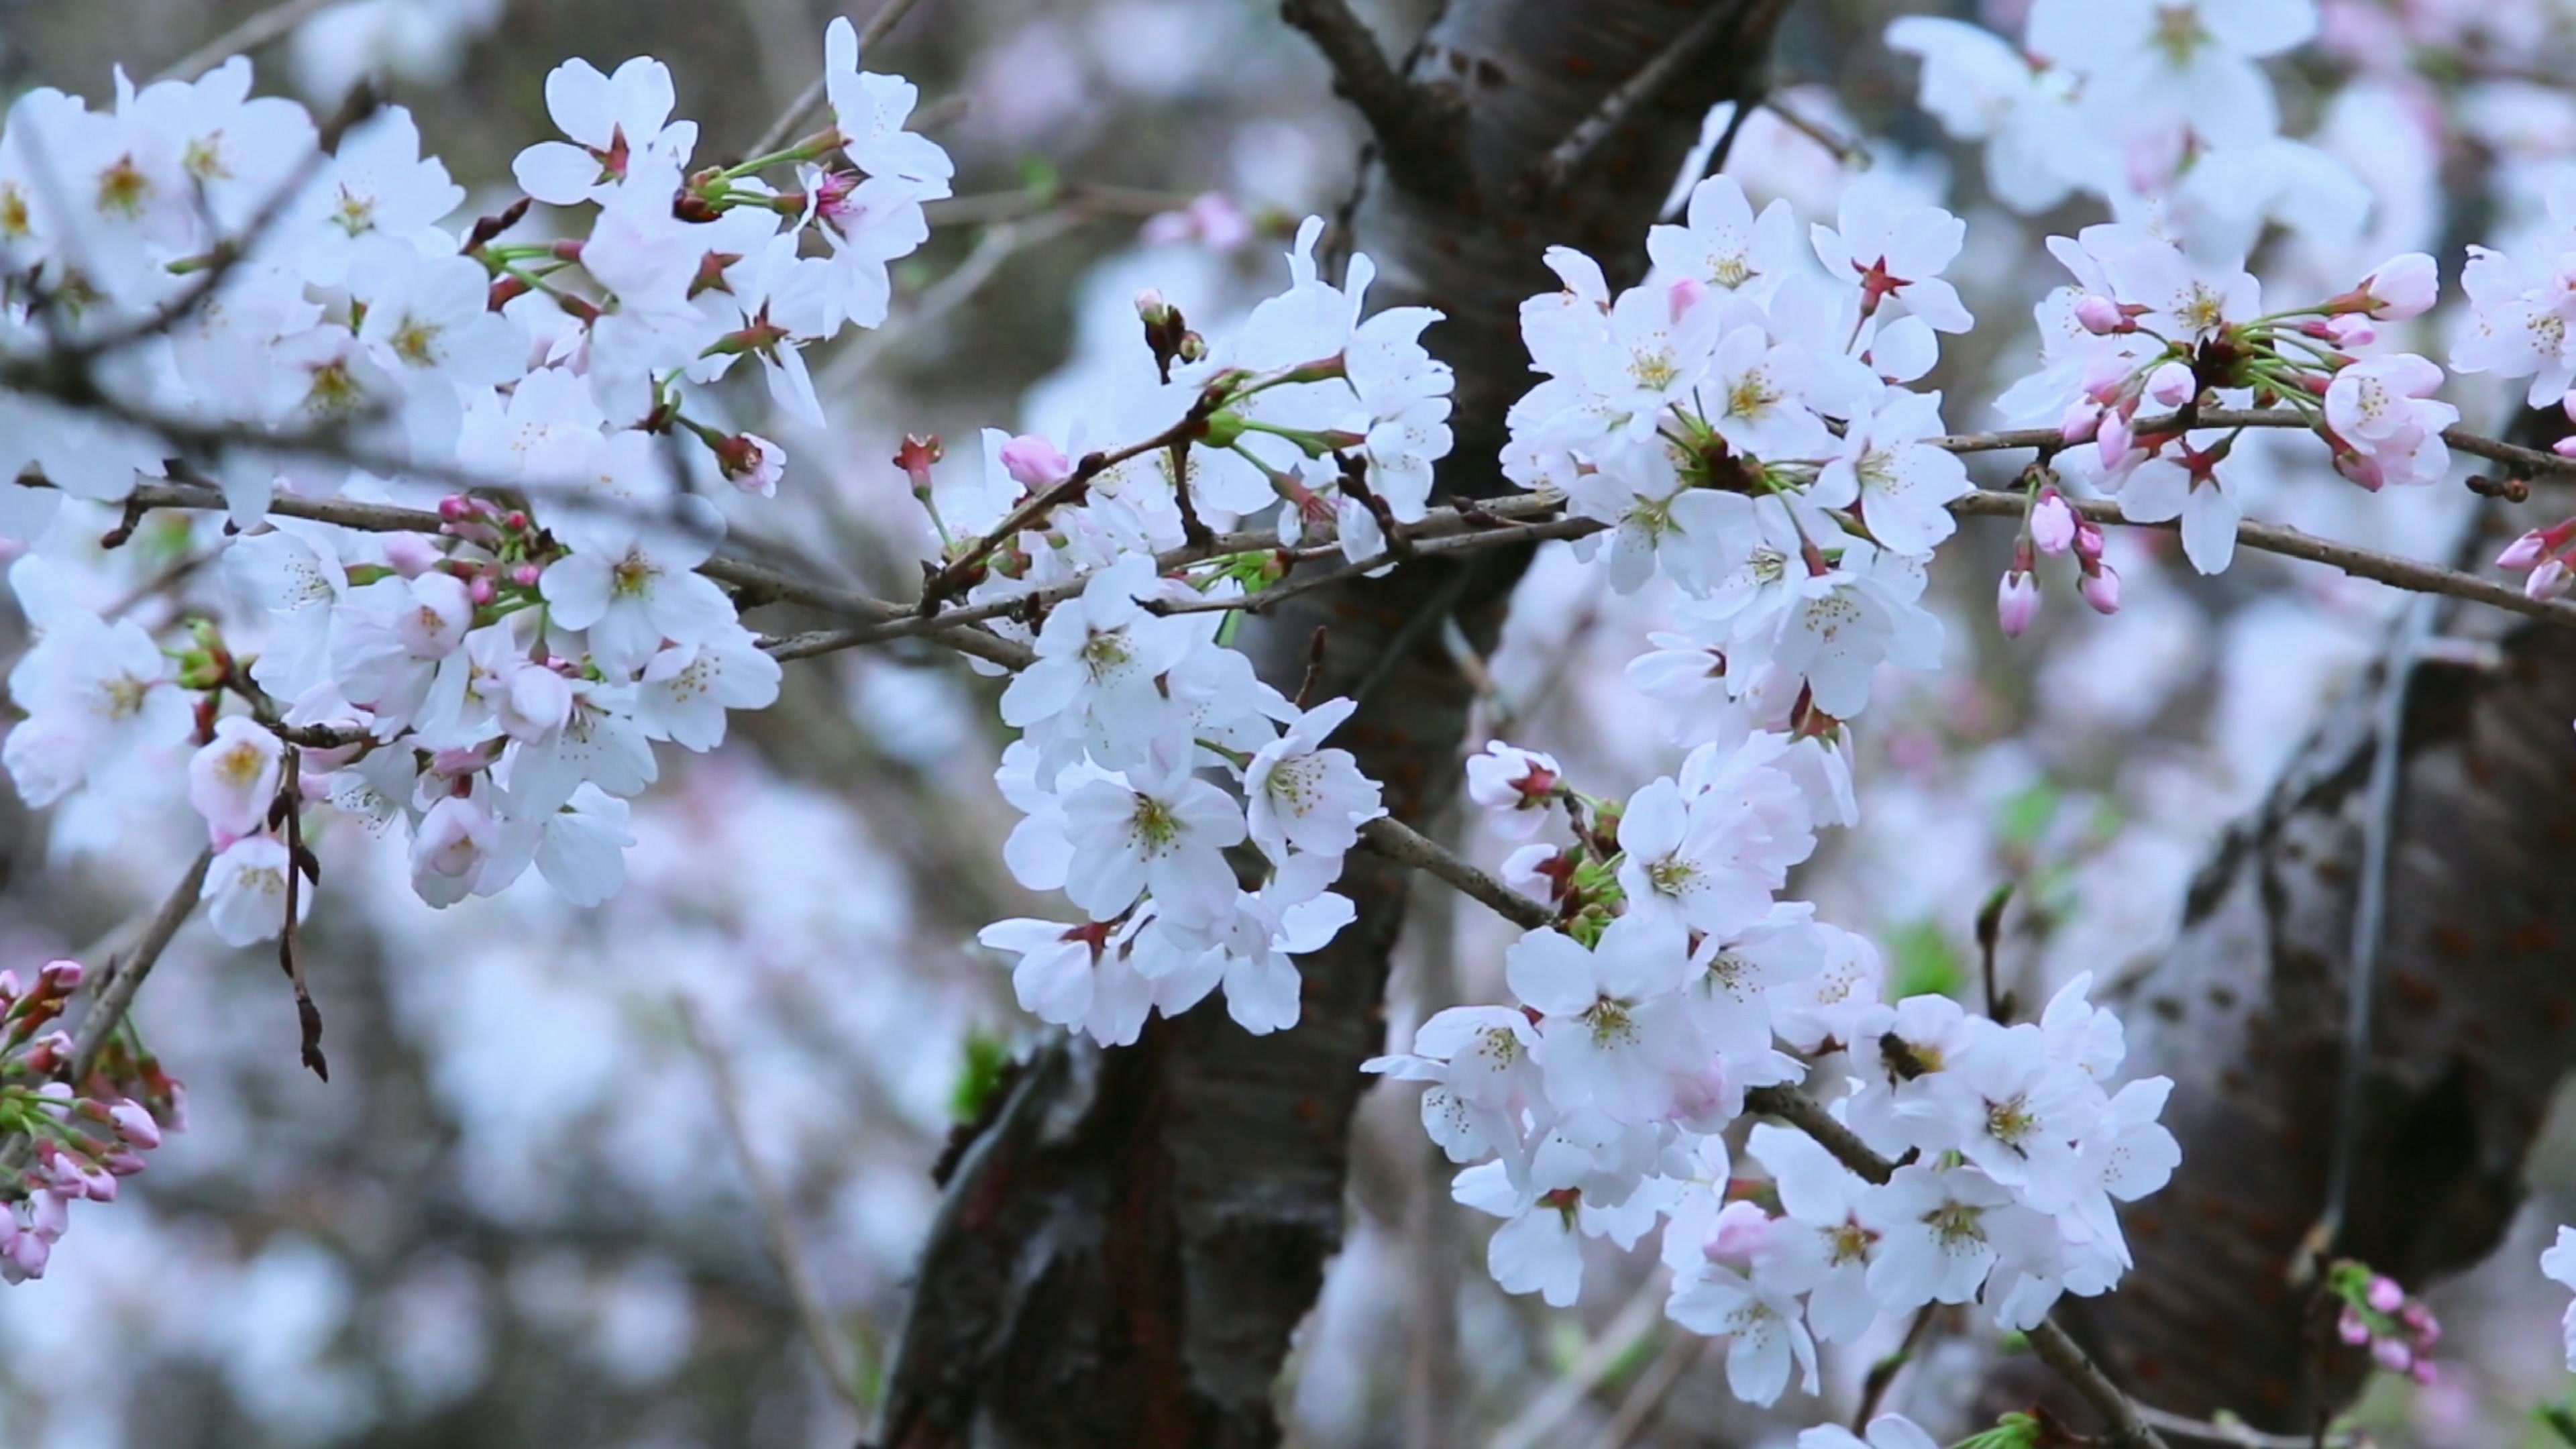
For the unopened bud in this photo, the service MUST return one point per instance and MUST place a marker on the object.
(2100, 587)
(2052, 523)
(1193, 347)
(2548, 581)
(2172, 385)
(1151, 309)
(479, 590)
(2383, 1295)
(2101, 316)
(2016, 603)
(1035, 462)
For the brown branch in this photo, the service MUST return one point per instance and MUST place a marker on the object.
(2387, 568)
(123, 975)
(1652, 80)
(1412, 124)
(2531, 461)
(1405, 845)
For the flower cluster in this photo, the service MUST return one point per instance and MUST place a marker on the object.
(494, 681)
(1673, 982)
(63, 1142)
(2150, 326)
(1334, 419)
(2142, 103)
(2376, 1312)
(1784, 483)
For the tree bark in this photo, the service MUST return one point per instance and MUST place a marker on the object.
(2473, 1023)
(1125, 1248)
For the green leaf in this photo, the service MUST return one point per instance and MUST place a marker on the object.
(979, 1075)
(2023, 816)
(1926, 963)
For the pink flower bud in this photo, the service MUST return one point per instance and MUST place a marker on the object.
(526, 575)
(2088, 540)
(2383, 1295)
(2052, 523)
(1150, 305)
(2104, 376)
(134, 1124)
(1741, 1231)
(2525, 551)
(1035, 462)
(2402, 287)
(2101, 588)
(61, 976)
(412, 555)
(1685, 295)
(2421, 1371)
(2547, 581)
(10, 990)
(2350, 1328)
(27, 1255)
(2016, 603)
(2113, 438)
(2172, 384)
(2419, 1319)
(2083, 418)
(2351, 330)
(480, 590)
(2565, 447)
(2101, 316)
(2393, 1354)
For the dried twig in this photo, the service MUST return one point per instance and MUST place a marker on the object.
(1545, 1413)
(257, 30)
(786, 1248)
(783, 130)
(123, 975)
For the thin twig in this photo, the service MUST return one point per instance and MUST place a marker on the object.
(2363, 563)
(124, 973)
(1882, 1374)
(2531, 461)
(2244, 1435)
(1405, 845)
(1539, 1421)
(1668, 65)
(785, 1247)
(274, 23)
(782, 130)
(1648, 1393)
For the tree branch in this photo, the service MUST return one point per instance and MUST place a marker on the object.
(1412, 125)
(124, 973)
(1650, 81)
(783, 130)
(1405, 845)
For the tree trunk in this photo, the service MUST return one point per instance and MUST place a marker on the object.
(2473, 1022)
(1125, 1248)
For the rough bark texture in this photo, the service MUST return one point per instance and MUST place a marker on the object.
(1125, 1249)
(2474, 1023)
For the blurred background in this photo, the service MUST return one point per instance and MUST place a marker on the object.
(515, 1217)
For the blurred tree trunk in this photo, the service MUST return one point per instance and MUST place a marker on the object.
(2473, 1021)
(1125, 1249)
